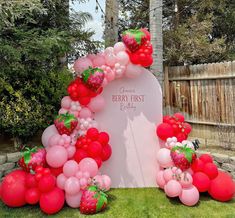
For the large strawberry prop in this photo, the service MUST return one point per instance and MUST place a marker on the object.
(65, 123)
(183, 156)
(31, 158)
(93, 201)
(93, 78)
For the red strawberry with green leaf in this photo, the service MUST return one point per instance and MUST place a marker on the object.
(93, 200)
(31, 158)
(134, 38)
(183, 156)
(65, 123)
(93, 78)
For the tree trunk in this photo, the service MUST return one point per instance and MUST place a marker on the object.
(155, 21)
(111, 22)
(17, 142)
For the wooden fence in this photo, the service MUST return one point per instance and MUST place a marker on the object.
(206, 95)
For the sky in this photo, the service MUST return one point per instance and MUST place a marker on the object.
(96, 24)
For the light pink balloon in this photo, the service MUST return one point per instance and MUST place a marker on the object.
(119, 46)
(63, 111)
(189, 196)
(85, 113)
(48, 132)
(99, 181)
(186, 180)
(97, 103)
(88, 165)
(75, 113)
(56, 156)
(60, 181)
(190, 171)
(160, 179)
(173, 188)
(164, 158)
(168, 174)
(98, 61)
(105, 82)
(71, 151)
(83, 183)
(66, 102)
(110, 60)
(133, 70)
(106, 182)
(122, 58)
(54, 140)
(79, 174)
(70, 168)
(74, 200)
(72, 186)
(110, 76)
(108, 50)
(82, 64)
(86, 175)
(91, 56)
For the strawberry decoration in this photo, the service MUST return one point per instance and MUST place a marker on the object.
(65, 123)
(31, 158)
(93, 200)
(93, 78)
(183, 156)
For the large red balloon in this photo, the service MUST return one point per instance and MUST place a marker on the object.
(197, 165)
(164, 131)
(206, 158)
(210, 170)
(14, 188)
(222, 187)
(32, 196)
(94, 149)
(93, 133)
(30, 181)
(179, 117)
(79, 155)
(53, 201)
(46, 183)
(201, 181)
(56, 171)
(103, 138)
(181, 136)
(106, 152)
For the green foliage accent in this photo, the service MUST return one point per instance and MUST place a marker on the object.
(27, 154)
(137, 34)
(67, 119)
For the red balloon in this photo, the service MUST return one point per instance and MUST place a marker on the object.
(134, 58)
(30, 181)
(166, 118)
(52, 202)
(98, 160)
(94, 149)
(0, 191)
(201, 181)
(148, 61)
(56, 171)
(187, 128)
(222, 187)
(206, 158)
(14, 188)
(179, 117)
(210, 170)
(46, 183)
(82, 90)
(103, 138)
(181, 137)
(93, 133)
(32, 196)
(197, 166)
(79, 155)
(106, 152)
(164, 131)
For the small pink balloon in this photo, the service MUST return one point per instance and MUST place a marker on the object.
(56, 156)
(110, 76)
(79, 174)
(99, 181)
(66, 102)
(160, 179)
(168, 174)
(173, 169)
(71, 151)
(74, 200)
(72, 186)
(105, 82)
(119, 46)
(173, 188)
(61, 142)
(189, 196)
(85, 113)
(164, 158)
(75, 113)
(106, 182)
(110, 60)
(70, 168)
(190, 171)
(122, 58)
(97, 103)
(98, 61)
(91, 56)
(82, 64)
(54, 140)
(86, 175)
(186, 180)
(63, 111)
(60, 181)
(108, 50)
(48, 132)
(133, 70)
(88, 165)
(83, 183)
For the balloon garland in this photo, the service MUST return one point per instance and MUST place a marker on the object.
(67, 168)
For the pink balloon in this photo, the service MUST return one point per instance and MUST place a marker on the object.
(108, 50)
(72, 186)
(168, 174)
(160, 179)
(106, 182)
(173, 188)
(66, 102)
(186, 180)
(110, 60)
(79, 174)
(71, 151)
(74, 200)
(110, 76)
(105, 82)
(98, 61)
(63, 111)
(88, 165)
(190, 171)
(85, 113)
(60, 181)
(91, 56)
(83, 183)
(122, 58)
(82, 64)
(48, 132)
(133, 70)
(54, 140)
(97, 103)
(189, 196)
(99, 181)
(164, 158)
(75, 113)
(56, 156)
(119, 46)
(70, 168)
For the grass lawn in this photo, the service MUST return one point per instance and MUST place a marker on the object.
(141, 203)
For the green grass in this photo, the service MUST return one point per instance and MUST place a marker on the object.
(141, 203)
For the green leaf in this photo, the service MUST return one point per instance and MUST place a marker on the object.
(101, 201)
(137, 34)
